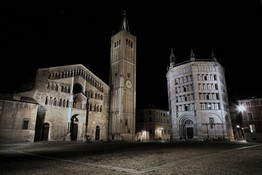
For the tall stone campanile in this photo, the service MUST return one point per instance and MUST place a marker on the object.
(123, 84)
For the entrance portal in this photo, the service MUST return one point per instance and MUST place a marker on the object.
(74, 128)
(97, 133)
(45, 132)
(189, 128)
(190, 133)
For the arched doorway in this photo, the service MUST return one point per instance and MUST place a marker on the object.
(189, 129)
(97, 133)
(45, 132)
(74, 128)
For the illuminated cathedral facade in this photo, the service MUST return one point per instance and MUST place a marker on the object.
(72, 103)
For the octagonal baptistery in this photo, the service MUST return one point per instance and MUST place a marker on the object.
(198, 101)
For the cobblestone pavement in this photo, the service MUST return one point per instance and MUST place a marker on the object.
(198, 158)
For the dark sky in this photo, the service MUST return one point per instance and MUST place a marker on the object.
(35, 38)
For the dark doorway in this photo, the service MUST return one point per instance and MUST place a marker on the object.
(190, 133)
(74, 128)
(97, 133)
(45, 132)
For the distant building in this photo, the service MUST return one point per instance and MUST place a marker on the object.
(153, 125)
(18, 116)
(71, 103)
(249, 119)
(198, 100)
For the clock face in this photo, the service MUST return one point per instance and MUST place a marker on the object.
(128, 84)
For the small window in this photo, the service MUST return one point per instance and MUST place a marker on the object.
(249, 116)
(25, 124)
(211, 122)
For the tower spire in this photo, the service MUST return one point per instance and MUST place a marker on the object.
(124, 25)
(172, 58)
(213, 55)
(192, 55)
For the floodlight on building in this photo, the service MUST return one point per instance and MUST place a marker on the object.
(241, 108)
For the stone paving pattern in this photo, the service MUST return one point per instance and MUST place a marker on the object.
(198, 158)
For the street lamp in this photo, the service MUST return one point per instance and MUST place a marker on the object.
(241, 108)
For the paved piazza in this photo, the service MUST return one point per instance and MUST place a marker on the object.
(198, 158)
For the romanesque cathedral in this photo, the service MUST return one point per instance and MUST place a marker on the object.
(72, 103)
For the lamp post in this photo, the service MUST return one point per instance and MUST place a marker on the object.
(241, 109)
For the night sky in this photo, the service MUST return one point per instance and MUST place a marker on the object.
(34, 38)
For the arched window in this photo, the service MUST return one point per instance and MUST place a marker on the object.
(46, 100)
(97, 108)
(67, 103)
(64, 103)
(74, 102)
(54, 101)
(90, 107)
(77, 88)
(51, 101)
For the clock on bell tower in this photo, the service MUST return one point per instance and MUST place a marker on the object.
(122, 84)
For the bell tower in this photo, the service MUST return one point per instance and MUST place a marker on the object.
(123, 84)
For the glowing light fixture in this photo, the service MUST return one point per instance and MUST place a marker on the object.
(241, 108)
